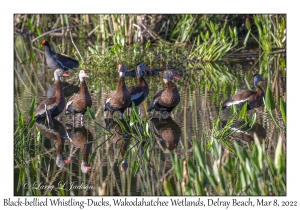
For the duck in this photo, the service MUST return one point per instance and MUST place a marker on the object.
(79, 102)
(55, 60)
(119, 99)
(253, 98)
(166, 100)
(55, 104)
(140, 91)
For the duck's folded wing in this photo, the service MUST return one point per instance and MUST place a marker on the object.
(155, 99)
(50, 104)
(240, 97)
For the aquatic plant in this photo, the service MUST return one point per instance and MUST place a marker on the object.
(271, 31)
(249, 172)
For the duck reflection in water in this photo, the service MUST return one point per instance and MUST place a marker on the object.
(167, 130)
(120, 138)
(56, 133)
(81, 138)
(245, 133)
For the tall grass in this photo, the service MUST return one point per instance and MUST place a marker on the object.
(271, 32)
(250, 172)
(210, 41)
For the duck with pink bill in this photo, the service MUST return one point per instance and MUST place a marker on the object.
(78, 103)
(55, 104)
(253, 98)
(119, 99)
(166, 100)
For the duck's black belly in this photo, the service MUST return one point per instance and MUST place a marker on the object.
(161, 108)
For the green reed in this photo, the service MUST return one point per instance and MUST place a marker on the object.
(271, 31)
(270, 105)
(211, 36)
(249, 172)
(23, 138)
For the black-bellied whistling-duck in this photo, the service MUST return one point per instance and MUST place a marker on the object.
(119, 99)
(58, 61)
(253, 98)
(56, 104)
(140, 91)
(78, 103)
(81, 138)
(168, 99)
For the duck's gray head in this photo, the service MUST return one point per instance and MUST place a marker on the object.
(258, 78)
(58, 73)
(168, 75)
(141, 69)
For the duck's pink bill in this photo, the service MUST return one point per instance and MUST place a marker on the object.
(176, 76)
(66, 74)
(67, 161)
(148, 69)
(88, 168)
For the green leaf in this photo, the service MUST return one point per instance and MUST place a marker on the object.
(20, 118)
(39, 32)
(198, 154)
(243, 112)
(248, 25)
(168, 188)
(148, 44)
(30, 25)
(31, 122)
(31, 110)
(259, 156)
(191, 166)
(66, 19)
(247, 37)
(61, 190)
(253, 120)
(283, 110)
(92, 157)
(269, 100)
(90, 113)
(240, 152)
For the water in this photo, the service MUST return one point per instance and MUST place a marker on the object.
(65, 164)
